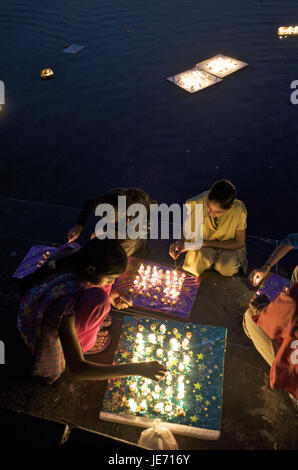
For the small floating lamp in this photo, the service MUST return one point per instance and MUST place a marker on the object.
(287, 31)
(46, 74)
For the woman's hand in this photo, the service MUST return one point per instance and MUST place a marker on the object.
(152, 370)
(176, 248)
(257, 275)
(74, 232)
(120, 301)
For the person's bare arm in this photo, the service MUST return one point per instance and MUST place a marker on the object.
(86, 370)
(257, 275)
(234, 244)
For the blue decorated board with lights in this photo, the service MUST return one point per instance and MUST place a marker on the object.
(189, 399)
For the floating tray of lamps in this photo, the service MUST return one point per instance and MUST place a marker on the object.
(194, 80)
(284, 31)
(159, 288)
(46, 74)
(221, 65)
(189, 399)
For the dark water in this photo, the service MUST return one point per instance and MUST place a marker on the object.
(109, 118)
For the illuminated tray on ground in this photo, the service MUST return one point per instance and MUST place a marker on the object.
(273, 285)
(189, 399)
(159, 288)
(194, 80)
(221, 65)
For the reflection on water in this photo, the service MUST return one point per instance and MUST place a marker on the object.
(110, 118)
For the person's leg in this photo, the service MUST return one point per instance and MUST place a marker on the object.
(197, 261)
(228, 262)
(294, 277)
(261, 341)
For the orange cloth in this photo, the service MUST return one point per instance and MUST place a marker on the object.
(279, 320)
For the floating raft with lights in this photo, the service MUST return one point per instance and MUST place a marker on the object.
(159, 288)
(189, 399)
(287, 31)
(273, 285)
(207, 73)
(221, 65)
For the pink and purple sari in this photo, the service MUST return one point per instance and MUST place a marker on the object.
(42, 310)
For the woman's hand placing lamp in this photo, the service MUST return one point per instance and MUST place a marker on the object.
(177, 248)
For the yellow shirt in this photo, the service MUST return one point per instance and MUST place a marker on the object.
(225, 229)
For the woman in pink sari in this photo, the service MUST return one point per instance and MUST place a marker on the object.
(64, 305)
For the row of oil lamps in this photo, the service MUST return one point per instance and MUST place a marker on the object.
(149, 282)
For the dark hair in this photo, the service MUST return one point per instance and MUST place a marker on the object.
(223, 192)
(107, 256)
(133, 195)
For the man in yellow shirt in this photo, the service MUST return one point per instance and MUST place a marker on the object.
(224, 232)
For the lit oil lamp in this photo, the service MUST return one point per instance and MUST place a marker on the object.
(159, 408)
(174, 344)
(132, 405)
(181, 393)
(180, 411)
(152, 338)
(144, 388)
(143, 405)
(159, 352)
(186, 359)
(160, 339)
(46, 74)
(133, 387)
(168, 377)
